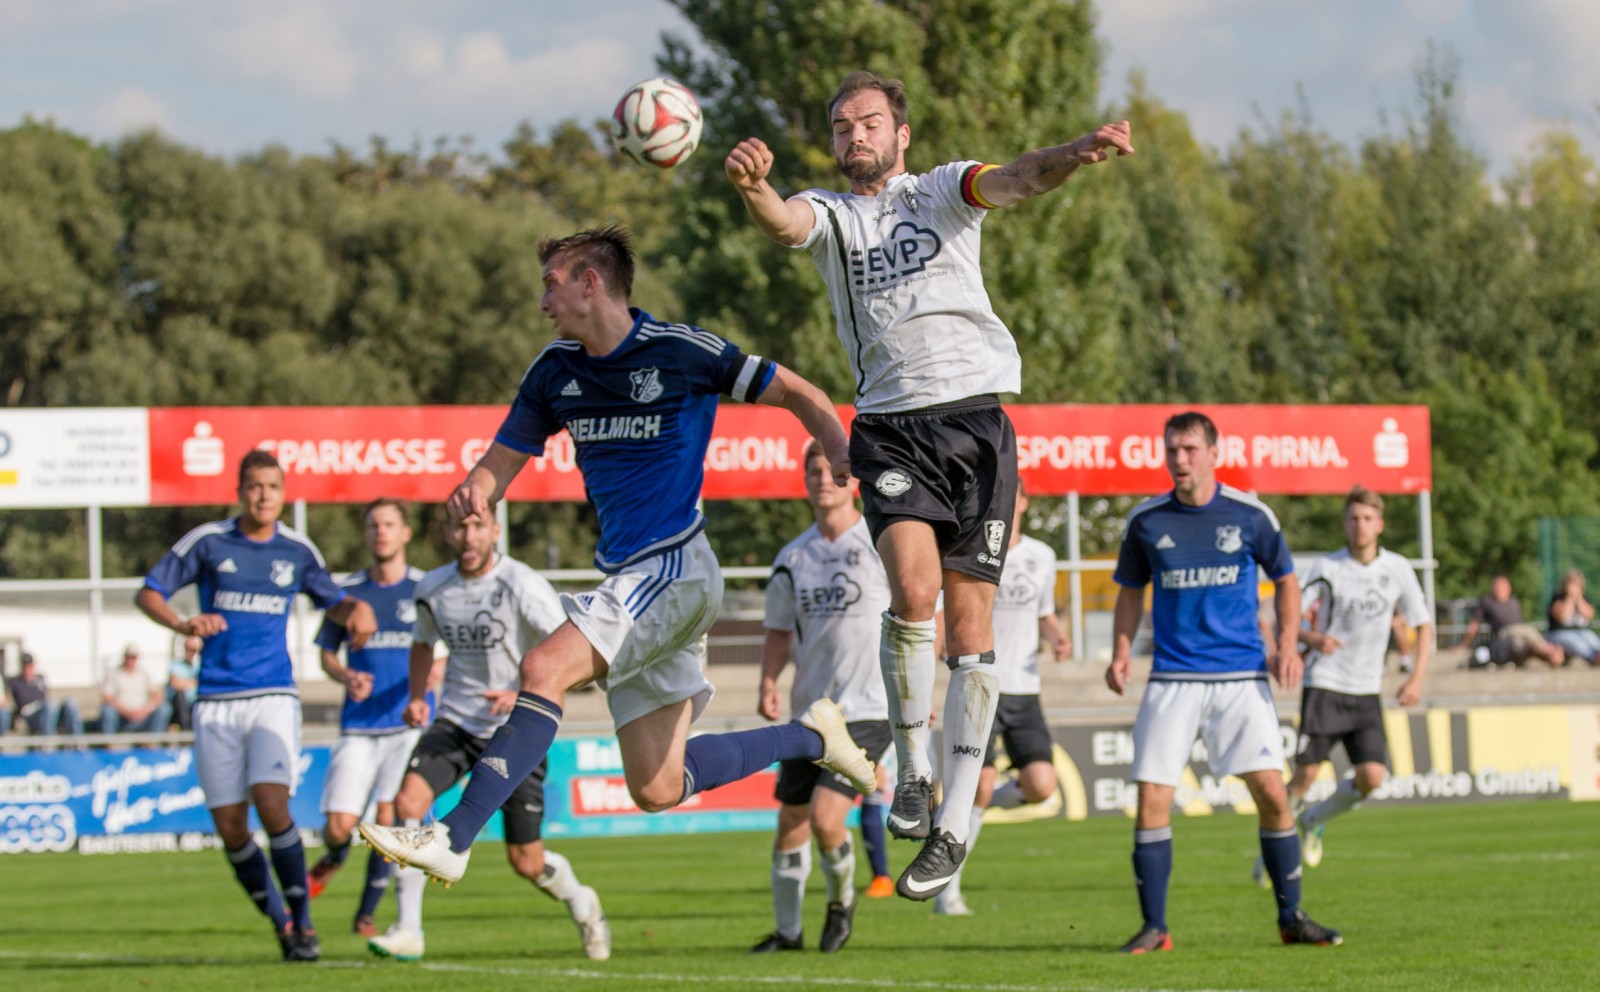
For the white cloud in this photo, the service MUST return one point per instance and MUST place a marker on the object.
(130, 109)
(298, 45)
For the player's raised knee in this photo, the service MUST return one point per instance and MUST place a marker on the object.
(657, 796)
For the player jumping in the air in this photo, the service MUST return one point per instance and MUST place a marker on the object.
(637, 396)
(934, 451)
(369, 759)
(827, 591)
(1201, 544)
(1351, 596)
(247, 716)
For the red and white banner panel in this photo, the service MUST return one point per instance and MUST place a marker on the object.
(181, 456)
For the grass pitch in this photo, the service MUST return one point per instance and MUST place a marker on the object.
(1492, 896)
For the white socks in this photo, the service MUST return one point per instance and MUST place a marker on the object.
(969, 707)
(409, 884)
(560, 882)
(905, 654)
(1345, 797)
(1008, 795)
(839, 872)
(790, 869)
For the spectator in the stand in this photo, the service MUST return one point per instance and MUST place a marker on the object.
(133, 701)
(1570, 615)
(183, 683)
(31, 708)
(1512, 640)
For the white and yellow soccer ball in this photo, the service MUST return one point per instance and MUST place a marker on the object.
(657, 122)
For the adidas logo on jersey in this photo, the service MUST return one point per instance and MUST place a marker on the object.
(227, 566)
(571, 388)
(498, 766)
(1166, 543)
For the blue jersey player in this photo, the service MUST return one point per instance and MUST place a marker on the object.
(247, 712)
(1200, 545)
(375, 742)
(637, 396)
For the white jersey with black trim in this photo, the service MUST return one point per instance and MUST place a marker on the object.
(832, 595)
(1354, 603)
(488, 623)
(902, 274)
(1027, 594)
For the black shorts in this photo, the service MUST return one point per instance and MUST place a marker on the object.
(798, 778)
(445, 754)
(952, 465)
(1328, 718)
(1019, 722)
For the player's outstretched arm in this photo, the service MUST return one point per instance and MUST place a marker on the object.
(154, 605)
(785, 221)
(486, 483)
(815, 411)
(1125, 617)
(357, 619)
(1043, 169)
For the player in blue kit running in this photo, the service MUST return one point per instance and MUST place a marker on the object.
(1201, 544)
(638, 397)
(375, 742)
(247, 713)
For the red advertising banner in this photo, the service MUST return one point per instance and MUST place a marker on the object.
(354, 454)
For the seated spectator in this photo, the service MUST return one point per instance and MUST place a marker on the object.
(183, 682)
(1569, 618)
(1512, 640)
(134, 701)
(31, 707)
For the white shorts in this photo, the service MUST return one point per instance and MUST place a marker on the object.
(367, 768)
(1237, 721)
(243, 742)
(649, 622)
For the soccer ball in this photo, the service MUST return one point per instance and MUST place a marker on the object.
(657, 122)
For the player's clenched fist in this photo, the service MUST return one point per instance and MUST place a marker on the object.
(749, 162)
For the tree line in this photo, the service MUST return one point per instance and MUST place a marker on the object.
(1284, 268)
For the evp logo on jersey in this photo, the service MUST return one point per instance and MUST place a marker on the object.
(647, 387)
(483, 633)
(907, 252)
(841, 593)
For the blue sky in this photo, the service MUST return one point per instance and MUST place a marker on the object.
(231, 76)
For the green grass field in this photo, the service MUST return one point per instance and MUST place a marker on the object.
(1487, 896)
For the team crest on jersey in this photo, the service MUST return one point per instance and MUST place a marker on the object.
(1228, 540)
(647, 387)
(994, 535)
(282, 573)
(893, 483)
(406, 611)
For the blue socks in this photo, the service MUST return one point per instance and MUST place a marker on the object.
(513, 753)
(1152, 868)
(250, 868)
(711, 760)
(872, 838)
(337, 856)
(377, 880)
(289, 862)
(1280, 852)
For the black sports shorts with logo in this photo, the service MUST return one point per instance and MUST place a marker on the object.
(1019, 723)
(953, 465)
(445, 753)
(1328, 718)
(798, 778)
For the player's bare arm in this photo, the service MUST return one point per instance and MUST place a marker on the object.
(357, 619)
(815, 412)
(784, 221)
(1125, 619)
(1043, 169)
(486, 483)
(774, 659)
(357, 684)
(417, 684)
(153, 605)
(1053, 636)
(1411, 690)
(1286, 664)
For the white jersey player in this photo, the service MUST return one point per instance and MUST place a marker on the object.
(1351, 597)
(825, 599)
(935, 452)
(488, 610)
(1024, 616)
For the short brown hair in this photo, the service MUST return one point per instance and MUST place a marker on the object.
(892, 89)
(1190, 420)
(1365, 497)
(608, 250)
(257, 458)
(400, 505)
